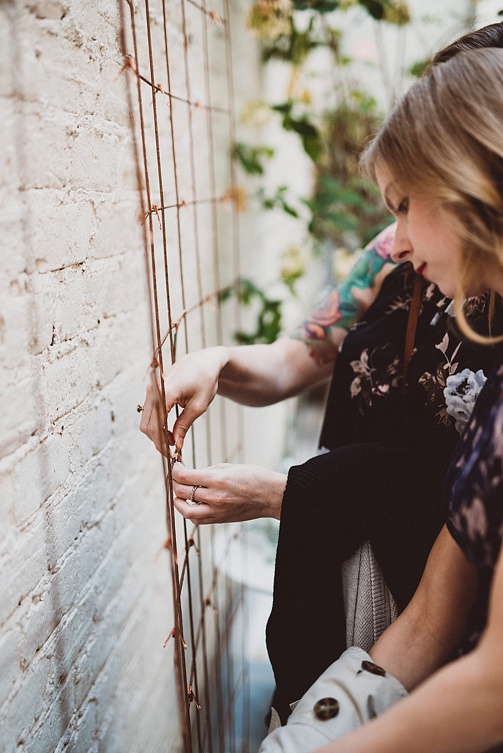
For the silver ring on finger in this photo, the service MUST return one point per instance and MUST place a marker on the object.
(191, 500)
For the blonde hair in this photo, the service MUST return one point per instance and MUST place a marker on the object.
(444, 143)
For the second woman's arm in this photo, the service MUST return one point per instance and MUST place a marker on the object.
(459, 709)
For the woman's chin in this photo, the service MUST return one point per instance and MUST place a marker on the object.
(446, 288)
(451, 288)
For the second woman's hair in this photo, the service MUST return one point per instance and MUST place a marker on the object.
(488, 36)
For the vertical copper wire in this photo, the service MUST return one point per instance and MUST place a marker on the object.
(206, 685)
(193, 685)
(195, 215)
(188, 686)
(213, 191)
(215, 224)
(221, 654)
(218, 678)
(192, 161)
(142, 174)
(150, 248)
(236, 258)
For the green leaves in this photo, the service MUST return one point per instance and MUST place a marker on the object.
(418, 68)
(293, 47)
(342, 209)
(339, 207)
(342, 202)
(273, 21)
(277, 201)
(268, 323)
(322, 6)
(252, 158)
(392, 11)
(304, 127)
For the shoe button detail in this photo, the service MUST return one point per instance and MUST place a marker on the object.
(326, 708)
(374, 669)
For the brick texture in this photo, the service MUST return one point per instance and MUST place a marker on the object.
(86, 588)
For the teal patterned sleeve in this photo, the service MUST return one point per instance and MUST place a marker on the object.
(345, 305)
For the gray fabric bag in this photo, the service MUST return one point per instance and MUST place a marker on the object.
(369, 605)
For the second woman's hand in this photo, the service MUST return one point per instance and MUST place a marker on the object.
(227, 492)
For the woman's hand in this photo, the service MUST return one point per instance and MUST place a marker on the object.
(192, 384)
(255, 375)
(227, 493)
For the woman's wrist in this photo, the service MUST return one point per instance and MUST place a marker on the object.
(277, 490)
(223, 356)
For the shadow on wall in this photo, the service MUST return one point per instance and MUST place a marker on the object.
(42, 610)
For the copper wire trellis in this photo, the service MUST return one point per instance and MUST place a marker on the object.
(205, 603)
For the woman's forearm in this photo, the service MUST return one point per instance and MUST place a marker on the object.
(260, 375)
(248, 374)
(459, 709)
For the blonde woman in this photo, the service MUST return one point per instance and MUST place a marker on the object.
(439, 164)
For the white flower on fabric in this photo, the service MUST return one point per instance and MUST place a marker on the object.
(461, 392)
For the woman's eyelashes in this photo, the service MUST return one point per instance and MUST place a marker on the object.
(403, 206)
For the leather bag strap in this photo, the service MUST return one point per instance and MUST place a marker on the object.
(410, 335)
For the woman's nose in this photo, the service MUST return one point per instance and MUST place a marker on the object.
(401, 250)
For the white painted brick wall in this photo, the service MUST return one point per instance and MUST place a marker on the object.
(86, 599)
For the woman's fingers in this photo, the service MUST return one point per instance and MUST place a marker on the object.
(193, 499)
(151, 417)
(201, 514)
(192, 410)
(146, 411)
(151, 420)
(191, 384)
(202, 498)
(227, 493)
(184, 476)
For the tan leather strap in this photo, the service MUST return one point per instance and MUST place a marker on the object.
(410, 335)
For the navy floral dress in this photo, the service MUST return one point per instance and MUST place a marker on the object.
(473, 492)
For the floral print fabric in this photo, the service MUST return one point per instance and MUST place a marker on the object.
(367, 400)
(473, 491)
(448, 394)
(377, 372)
(461, 392)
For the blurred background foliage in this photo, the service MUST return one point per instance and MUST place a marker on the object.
(340, 210)
(333, 137)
